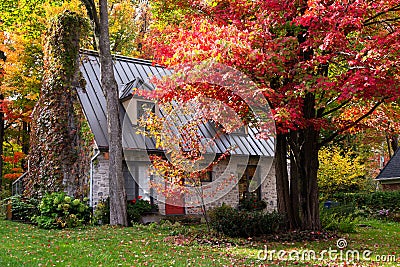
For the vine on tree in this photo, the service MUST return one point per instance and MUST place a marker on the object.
(59, 154)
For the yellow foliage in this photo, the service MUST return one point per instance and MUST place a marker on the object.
(71, 5)
(127, 22)
(20, 70)
(341, 171)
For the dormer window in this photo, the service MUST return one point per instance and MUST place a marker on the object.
(135, 106)
(242, 130)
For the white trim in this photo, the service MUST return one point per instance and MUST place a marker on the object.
(389, 182)
(388, 179)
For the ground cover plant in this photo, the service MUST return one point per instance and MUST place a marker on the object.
(177, 245)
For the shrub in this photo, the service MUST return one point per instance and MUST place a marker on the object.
(375, 201)
(57, 210)
(135, 209)
(235, 223)
(394, 216)
(23, 209)
(252, 203)
(102, 212)
(378, 204)
(342, 171)
(138, 207)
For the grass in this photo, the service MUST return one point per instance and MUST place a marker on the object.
(381, 238)
(26, 245)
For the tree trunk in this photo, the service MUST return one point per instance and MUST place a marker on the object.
(294, 191)
(287, 189)
(92, 13)
(305, 153)
(298, 194)
(307, 170)
(388, 143)
(282, 181)
(118, 214)
(394, 142)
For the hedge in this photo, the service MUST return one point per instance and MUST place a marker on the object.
(374, 201)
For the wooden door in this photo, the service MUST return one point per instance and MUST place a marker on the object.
(175, 205)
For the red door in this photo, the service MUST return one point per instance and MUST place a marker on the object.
(175, 205)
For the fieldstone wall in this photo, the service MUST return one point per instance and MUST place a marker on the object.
(223, 188)
(100, 173)
(268, 187)
(230, 195)
(100, 185)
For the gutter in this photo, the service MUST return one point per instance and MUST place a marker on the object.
(97, 153)
(387, 178)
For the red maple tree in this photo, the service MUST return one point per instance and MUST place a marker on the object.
(311, 59)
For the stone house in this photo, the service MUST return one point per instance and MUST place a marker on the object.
(249, 164)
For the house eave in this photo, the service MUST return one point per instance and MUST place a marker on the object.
(388, 179)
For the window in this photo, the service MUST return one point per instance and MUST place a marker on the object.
(142, 107)
(205, 173)
(137, 181)
(248, 177)
(144, 182)
(206, 176)
(243, 130)
(136, 108)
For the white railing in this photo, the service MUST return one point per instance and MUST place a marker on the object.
(18, 185)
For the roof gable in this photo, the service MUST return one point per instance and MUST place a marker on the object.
(391, 169)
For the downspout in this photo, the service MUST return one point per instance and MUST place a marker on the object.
(97, 153)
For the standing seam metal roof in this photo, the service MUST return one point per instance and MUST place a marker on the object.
(130, 73)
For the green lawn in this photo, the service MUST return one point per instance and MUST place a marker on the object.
(26, 245)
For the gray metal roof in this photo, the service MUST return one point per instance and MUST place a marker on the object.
(391, 169)
(131, 73)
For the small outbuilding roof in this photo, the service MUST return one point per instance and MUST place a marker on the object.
(131, 73)
(391, 171)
